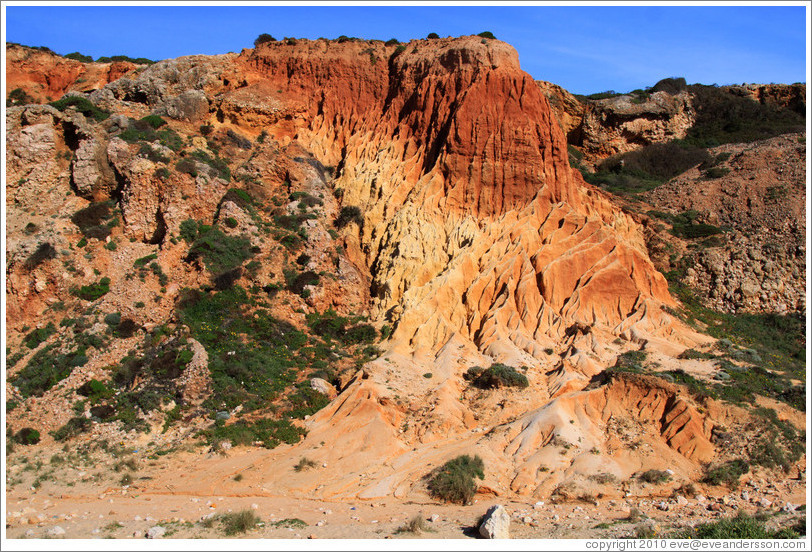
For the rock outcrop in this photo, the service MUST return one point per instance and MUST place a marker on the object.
(760, 266)
(45, 76)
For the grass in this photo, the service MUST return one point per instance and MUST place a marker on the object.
(291, 523)
(304, 464)
(233, 523)
(727, 474)
(415, 526)
(454, 480)
(219, 251)
(654, 476)
(741, 526)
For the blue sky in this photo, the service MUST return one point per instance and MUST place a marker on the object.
(585, 49)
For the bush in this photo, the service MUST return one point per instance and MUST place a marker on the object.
(27, 436)
(155, 121)
(18, 96)
(392, 42)
(82, 105)
(94, 390)
(304, 464)
(79, 57)
(727, 474)
(94, 291)
(35, 337)
(740, 527)
(238, 522)
(92, 218)
(347, 215)
(75, 426)
(433, 36)
(671, 85)
(263, 38)
(220, 252)
(654, 476)
(487, 34)
(47, 368)
(498, 375)
(454, 480)
(44, 252)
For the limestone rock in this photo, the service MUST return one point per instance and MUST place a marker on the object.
(156, 532)
(323, 387)
(496, 524)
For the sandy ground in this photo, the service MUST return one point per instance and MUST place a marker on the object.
(79, 503)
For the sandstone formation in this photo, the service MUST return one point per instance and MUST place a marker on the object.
(468, 235)
(46, 77)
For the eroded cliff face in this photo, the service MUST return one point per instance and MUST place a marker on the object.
(476, 241)
(46, 77)
(473, 221)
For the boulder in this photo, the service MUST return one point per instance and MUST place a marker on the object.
(323, 387)
(156, 532)
(496, 523)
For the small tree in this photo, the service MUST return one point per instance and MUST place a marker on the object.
(433, 36)
(487, 34)
(263, 38)
(392, 42)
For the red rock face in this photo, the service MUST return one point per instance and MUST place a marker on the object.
(437, 132)
(464, 108)
(46, 77)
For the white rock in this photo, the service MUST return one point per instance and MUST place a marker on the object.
(434, 518)
(137, 518)
(764, 503)
(663, 506)
(789, 507)
(681, 500)
(156, 532)
(56, 530)
(745, 496)
(527, 519)
(496, 524)
(538, 505)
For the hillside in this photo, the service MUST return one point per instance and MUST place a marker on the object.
(332, 266)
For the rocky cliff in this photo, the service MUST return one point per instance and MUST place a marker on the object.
(424, 188)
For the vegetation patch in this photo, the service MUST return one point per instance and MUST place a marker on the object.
(454, 481)
(727, 474)
(219, 251)
(83, 106)
(741, 526)
(496, 376)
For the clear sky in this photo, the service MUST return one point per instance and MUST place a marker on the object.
(583, 48)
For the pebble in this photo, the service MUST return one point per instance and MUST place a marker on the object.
(681, 500)
(137, 518)
(745, 496)
(527, 519)
(538, 505)
(319, 523)
(56, 531)
(434, 518)
(764, 503)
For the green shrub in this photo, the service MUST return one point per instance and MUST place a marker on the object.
(75, 426)
(392, 42)
(487, 34)
(263, 38)
(231, 222)
(94, 390)
(35, 337)
(137, 61)
(27, 436)
(654, 476)
(44, 252)
(155, 121)
(727, 474)
(454, 480)
(18, 96)
(740, 527)
(233, 523)
(218, 164)
(79, 57)
(498, 375)
(82, 105)
(94, 291)
(716, 172)
(220, 252)
(433, 36)
(348, 215)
